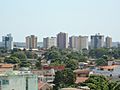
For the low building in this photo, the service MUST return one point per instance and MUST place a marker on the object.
(46, 76)
(6, 68)
(43, 86)
(18, 81)
(56, 68)
(81, 75)
(111, 70)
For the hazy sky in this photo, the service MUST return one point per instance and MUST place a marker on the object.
(48, 17)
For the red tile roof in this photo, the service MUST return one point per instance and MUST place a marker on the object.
(108, 67)
(41, 84)
(54, 67)
(6, 65)
(81, 79)
(83, 71)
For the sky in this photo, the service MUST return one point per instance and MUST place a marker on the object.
(48, 17)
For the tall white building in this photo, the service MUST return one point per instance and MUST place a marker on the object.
(108, 42)
(78, 42)
(48, 42)
(97, 41)
(7, 41)
(31, 42)
(62, 40)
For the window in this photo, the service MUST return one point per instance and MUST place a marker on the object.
(110, 69)
(101, 69)
(5, 82)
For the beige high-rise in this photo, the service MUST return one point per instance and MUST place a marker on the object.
(78, 42)
(108, 42)
(62, 40)
(31, 42)
(48, 42)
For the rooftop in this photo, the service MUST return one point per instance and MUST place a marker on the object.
(83, 71)
(109, 67)
(6, 65)
(81, 79)
(70, 89)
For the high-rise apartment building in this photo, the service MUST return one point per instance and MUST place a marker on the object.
(31, 42)
(7, 41)
(73, 42)
(108, 42)
(48, 42)
(78, 42)
(62, 40)
(97, 41)
(83, 42)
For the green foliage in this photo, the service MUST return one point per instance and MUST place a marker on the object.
(101, 62)
(114, 85)
(65, 56)
(12, 60)
(52, 55)
(64, 78)
(72, 64)
(31, 55)
(97, 82)
(98, 53)
(38, 63)
(19, 55)
(18, 58)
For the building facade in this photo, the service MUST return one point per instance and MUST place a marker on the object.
(62, 40)
(7, 41)
(31, 42)
(48, 42)
(108, 42)
(78, 42)
(97, 41)
(11, 81)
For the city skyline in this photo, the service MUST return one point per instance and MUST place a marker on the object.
(47, 18)
(40, 39)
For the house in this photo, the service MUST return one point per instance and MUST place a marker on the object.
(111, 70)
(82, 65)
(6, 67)
(81, 75)
(56, 68)
(49, 72)
(45, 75)
(18, 81)
(43, 86)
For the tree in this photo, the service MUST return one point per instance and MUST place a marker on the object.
(38, 63)
(64, 79)
(52, 55)
(20, 55)
(98, 53)
(114, 85)
(12, 60)
(23, 59)
(31, 55)
(97, 82)
(72, 64)
(101, 62)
